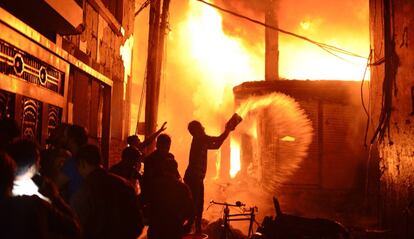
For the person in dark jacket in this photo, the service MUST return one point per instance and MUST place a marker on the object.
(158, 162)
(171, 211)
(107, 205)
(129, 166)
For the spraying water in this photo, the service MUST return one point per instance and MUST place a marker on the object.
(285, 133)
(280, 134)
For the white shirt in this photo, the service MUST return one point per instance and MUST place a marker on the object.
(27, 187)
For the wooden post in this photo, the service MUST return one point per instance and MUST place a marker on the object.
(157, 28)
(272, 42)
(150, 102)
(160, 50)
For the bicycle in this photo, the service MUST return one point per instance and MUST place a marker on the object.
(246, 215)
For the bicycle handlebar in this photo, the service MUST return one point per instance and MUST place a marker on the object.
(237, 204)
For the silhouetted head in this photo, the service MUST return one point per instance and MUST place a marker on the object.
(58, 136)
(89, 158)
(163, 143)
(26, 154)
(9, 130)
(196, 128)
(90, 154)
(133, 140)
(77, 136)
(169, 169)
(7, 172)
(52, 161)
(131, 155)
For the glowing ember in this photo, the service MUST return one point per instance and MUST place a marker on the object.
(288, 139)
(234, 157)
(305, 25)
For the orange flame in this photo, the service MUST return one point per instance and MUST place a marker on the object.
(204, 58)
(234, 157)
(222, 61)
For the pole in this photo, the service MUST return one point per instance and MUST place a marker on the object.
(157, 28)
(271, 42)
(160, 50)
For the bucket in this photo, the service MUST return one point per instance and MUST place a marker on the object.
(234, 121)
(195, 236)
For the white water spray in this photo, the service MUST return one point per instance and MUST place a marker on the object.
(281, 134)
(285, 133)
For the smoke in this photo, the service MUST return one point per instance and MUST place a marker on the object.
(347, 18)
(344, 24)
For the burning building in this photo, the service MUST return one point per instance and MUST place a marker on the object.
(312, 155)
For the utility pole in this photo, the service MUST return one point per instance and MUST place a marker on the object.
(161, 40)
(157, 28)
(271, 42)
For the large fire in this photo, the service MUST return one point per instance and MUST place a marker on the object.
(226, 61)
(218, 62)
(204, 60)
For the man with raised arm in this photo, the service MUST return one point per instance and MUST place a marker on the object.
(197, 166)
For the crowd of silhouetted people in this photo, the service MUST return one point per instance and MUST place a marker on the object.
(61, 190)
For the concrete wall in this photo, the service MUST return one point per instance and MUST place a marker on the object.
(397, 147)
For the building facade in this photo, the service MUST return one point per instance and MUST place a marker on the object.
(62, 61)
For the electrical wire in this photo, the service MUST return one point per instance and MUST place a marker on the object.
(389, 82)
(328, 48)
(362, 97)
(141, 100)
